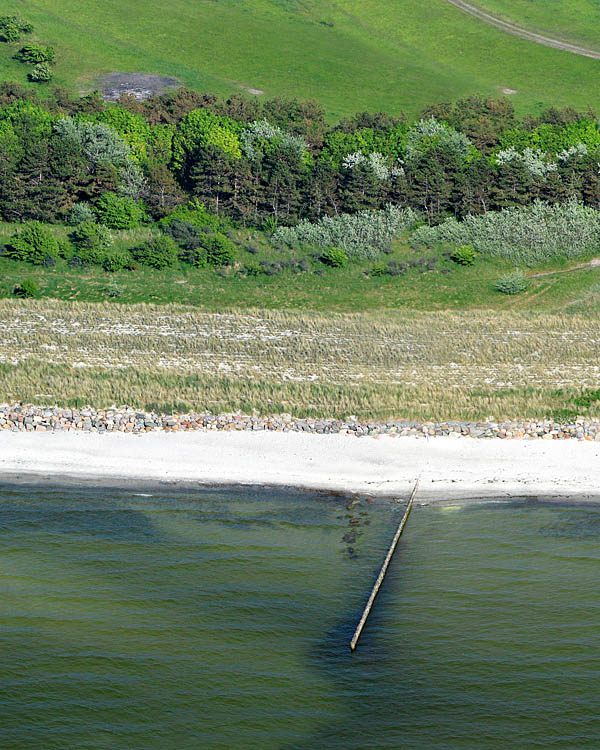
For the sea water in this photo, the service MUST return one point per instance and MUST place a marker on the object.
(221, 620)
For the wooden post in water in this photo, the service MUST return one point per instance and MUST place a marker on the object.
(384, 567)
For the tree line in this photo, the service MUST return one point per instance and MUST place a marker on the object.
(276, 162)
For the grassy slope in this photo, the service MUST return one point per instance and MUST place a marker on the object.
(381, 54)
(569, 20)
(562, 286)
(342, 290)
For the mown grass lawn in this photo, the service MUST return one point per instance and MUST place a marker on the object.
(348, 55)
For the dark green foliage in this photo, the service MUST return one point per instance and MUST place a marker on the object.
(195, 255)
(34, 243)
(219, 250)
(35, 53)
(159, 252)
(391, 268)
(162, 194)
(335, 257)
(118, 211)
(91, 240)
(512, 283)
(27, 289)
(188, 235)
(482, 119)
(191, 238)
(253, 269)
(89, 163)
(464, 255)
(11, 28)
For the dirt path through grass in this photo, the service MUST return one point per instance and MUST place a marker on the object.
(523, 33)
(588, 264)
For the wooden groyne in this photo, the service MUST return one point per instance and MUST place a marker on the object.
(384, 567)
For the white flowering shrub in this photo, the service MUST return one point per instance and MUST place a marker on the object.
(572, 152)
(536, 161)
(379, 163)
(528, 235)
(362, 235)
(259, 133)
(427, 134)
(100, 143)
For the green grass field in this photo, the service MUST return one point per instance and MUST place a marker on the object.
(568, 20)
(351, 289)
(349, 55)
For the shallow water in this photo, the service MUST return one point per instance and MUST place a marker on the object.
(221, 620)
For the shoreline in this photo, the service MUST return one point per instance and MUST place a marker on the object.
(31, 418)
(451, 470)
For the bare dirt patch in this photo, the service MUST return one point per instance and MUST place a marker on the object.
(140, 85)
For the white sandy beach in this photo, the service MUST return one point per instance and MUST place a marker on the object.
(450, 469)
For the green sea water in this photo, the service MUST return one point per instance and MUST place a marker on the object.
(221, 620)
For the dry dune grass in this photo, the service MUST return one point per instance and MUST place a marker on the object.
(435, 365)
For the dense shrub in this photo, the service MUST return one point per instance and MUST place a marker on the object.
(81, 211)
(27, 289)
(362, 235)
(11, 28)
(101, 145)
(116, 261)
(261, 137)
(91, 240)
(512, 283)
(426, 135)
(252, 269)
(41, 73)
(186, 234)
(219, 250)
(201, 128)
(33, 243)
(194, 213)
(35, 53)
(159, 252)
(195, 256)
(335, 257)
(65, 248)
(391, 268)
(530, 234)
(464, 255)
(118, 211)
